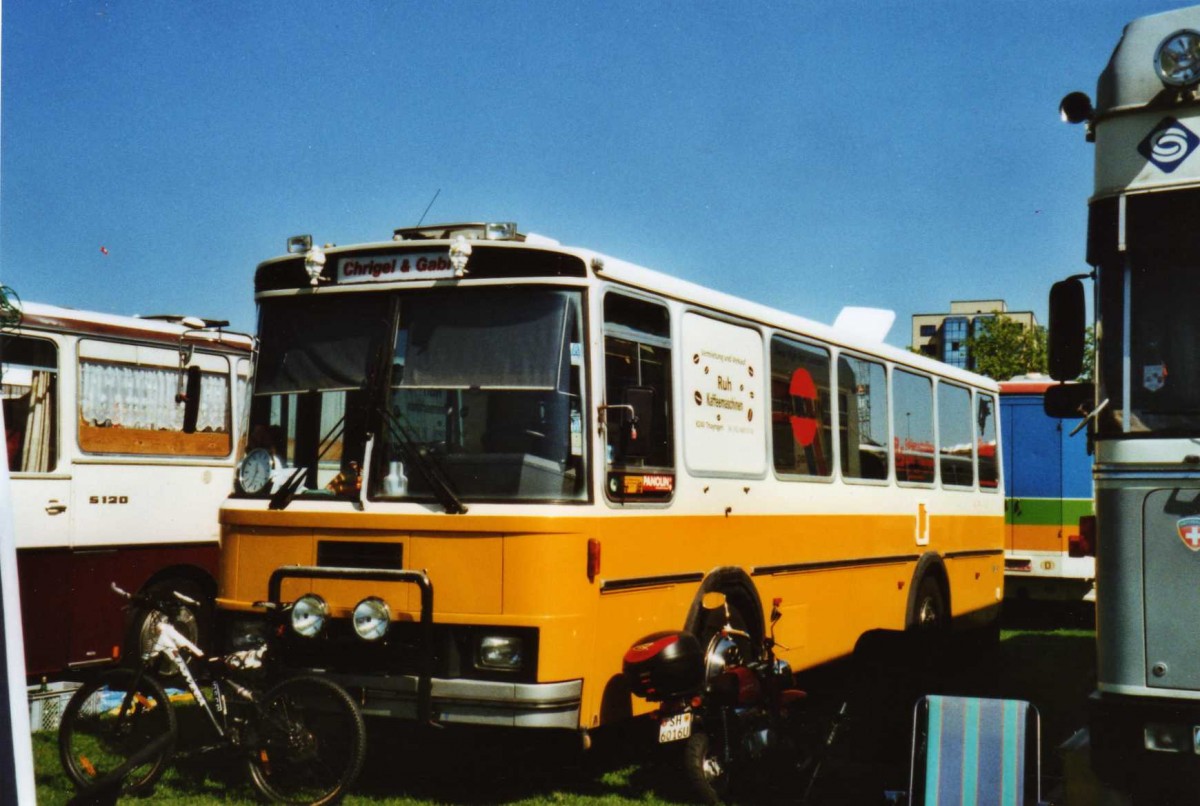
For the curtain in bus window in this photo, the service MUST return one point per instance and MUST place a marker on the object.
(502, 338)
(320, 342)
(144, 397)
(37, 456)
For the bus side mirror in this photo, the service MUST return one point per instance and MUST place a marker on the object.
(1066, 343)
(638, 433)
(1067, 400)
(191, 400)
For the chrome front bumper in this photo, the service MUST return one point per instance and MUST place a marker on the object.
(470, 702)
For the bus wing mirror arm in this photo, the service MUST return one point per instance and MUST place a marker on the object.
(1089, 417)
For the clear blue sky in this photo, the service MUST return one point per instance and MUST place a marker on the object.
(808, 155)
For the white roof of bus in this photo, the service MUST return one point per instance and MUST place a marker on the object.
(52, 317)
(664, 284)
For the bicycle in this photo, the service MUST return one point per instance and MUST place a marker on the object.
(303, 741)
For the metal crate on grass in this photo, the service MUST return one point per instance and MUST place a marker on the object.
(47, 703)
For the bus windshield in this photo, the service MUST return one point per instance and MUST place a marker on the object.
(487, 384)
(1156, 392)
(481, 400)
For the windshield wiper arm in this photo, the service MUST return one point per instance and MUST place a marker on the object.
(287, 491)
(425, 464)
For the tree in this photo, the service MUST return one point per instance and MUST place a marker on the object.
(1089, 355)
(1001, 347)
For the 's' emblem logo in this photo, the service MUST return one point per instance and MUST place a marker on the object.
(1169, 144)
(1189, 532)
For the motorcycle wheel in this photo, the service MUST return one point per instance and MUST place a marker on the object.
(706, 769)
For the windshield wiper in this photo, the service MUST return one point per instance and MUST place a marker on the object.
(425, 464)
(287, 491)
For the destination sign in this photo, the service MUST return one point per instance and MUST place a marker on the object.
(394, 268)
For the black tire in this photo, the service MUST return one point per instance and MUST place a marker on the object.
(195, 623)
(309, 742)
(706, 769)
(929, 608)
(117, 735)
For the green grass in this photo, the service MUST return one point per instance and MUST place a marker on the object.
(1050, 663)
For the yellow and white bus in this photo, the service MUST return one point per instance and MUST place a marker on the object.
(567, 451)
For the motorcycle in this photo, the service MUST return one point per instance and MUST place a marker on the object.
(732, 703)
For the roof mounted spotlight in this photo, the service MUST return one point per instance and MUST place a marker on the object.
(460, 253)
(1177, 60)
(299, 244)
(500, 231)
(491, 231)
(1076, 107)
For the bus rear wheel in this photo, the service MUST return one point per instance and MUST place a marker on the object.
(929, 607)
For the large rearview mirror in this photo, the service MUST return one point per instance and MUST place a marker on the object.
(713, 600)
(1066, 343)
(191, 400)
(1069, 400)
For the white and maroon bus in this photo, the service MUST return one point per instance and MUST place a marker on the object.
(110, 480)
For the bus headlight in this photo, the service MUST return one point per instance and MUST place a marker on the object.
(309, 615)
(504, 652)
(371, 618)
(1177, 59)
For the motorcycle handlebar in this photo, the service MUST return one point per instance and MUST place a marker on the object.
(162, 602)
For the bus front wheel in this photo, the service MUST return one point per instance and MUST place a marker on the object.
(193, 621)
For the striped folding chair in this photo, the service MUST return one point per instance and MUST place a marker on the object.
(969, 751)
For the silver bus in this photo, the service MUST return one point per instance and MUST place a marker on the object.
(1143, 411)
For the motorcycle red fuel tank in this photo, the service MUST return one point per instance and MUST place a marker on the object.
(737, 685)
(749, 688)
(664, 665)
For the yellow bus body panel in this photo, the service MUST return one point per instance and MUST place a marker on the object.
(854, 574)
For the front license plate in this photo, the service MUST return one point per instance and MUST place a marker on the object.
(675, 728)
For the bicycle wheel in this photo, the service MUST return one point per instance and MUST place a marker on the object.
(117, 731)
(309, 742)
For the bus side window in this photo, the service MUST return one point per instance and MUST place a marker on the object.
(637, 369)
(985, 441)
(913, 427)
(128, 402)
(800, 409)
(29, 390)
(862, 418)
(954, 436)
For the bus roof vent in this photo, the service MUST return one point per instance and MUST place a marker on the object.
(869, 324)
(494, 231)
(194, 322)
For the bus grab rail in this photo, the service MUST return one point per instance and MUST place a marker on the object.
(418, 578)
